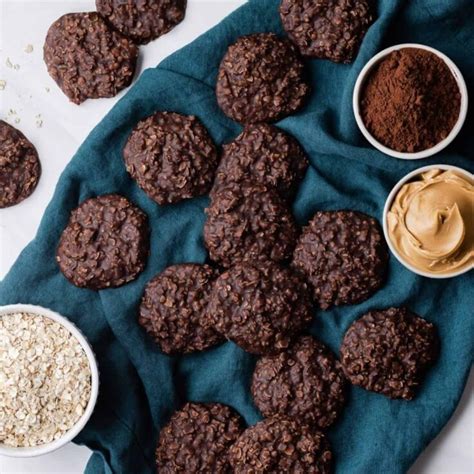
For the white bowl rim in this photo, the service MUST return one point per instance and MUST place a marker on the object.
(388, 203)
(443, 143)
(25, 452)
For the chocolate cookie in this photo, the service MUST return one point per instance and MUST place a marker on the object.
(305, 382)
(142, 20)
(343, 255)
(105, 243)
(173, 308)
(171, 156)
(248, 221)
(265, 154)
(20, 168)
(259, 306)
(389, 351)
(281, 445)
(197, 439)
(261, 79)
(87, 58)
(327, 29)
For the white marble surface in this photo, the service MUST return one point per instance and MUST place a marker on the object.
(32, 94)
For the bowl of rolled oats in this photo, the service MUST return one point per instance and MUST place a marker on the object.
(49, 380)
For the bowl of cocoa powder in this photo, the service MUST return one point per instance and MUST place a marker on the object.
(410, 101)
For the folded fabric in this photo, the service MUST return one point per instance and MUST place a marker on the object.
(140, 386)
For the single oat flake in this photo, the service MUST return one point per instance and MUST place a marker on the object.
(45, 380)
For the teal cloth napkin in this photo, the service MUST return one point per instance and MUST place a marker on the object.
(141, 387)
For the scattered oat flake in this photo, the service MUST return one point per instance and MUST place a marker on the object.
(9, 63)
(16, 67)
(47, 89)
(3, 84)
(17, 120)
(29, 48)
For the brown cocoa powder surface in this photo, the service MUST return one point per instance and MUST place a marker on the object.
(410, 101)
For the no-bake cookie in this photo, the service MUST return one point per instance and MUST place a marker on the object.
(171, 156)
(259, 306)
(261, 79)
(105, 243)
(197, 439)
(327, 29)
(142, 20)
(20, 168)
(281, 445)
(265, 154)
(305, 382)
(174, 305)
(343, 255)
(87, 58)
(248, 221)
(388, 351)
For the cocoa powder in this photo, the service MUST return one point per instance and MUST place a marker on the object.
(410, 101)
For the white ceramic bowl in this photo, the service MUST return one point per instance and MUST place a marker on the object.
(74, 431)
(424, 153)
(388, 204)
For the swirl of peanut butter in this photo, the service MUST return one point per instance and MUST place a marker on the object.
(431, 222)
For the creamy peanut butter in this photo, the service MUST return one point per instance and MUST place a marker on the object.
(431, 222)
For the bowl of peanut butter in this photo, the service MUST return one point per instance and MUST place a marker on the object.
(428, 221)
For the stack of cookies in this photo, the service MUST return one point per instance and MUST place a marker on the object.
(265, 276)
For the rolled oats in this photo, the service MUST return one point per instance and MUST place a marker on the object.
(45, 380)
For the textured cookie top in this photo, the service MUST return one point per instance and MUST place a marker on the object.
(265, 154)
(20, 168)
(261, 79)
(281, 445)
(305, 382)
(343, 256)
(389, 351)
(87, 58)
(259, 306)
(174, 305)
(328, 29)
(142, 20)
(248, 221)
(197, 439)
(171, 156)
(105, 243)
